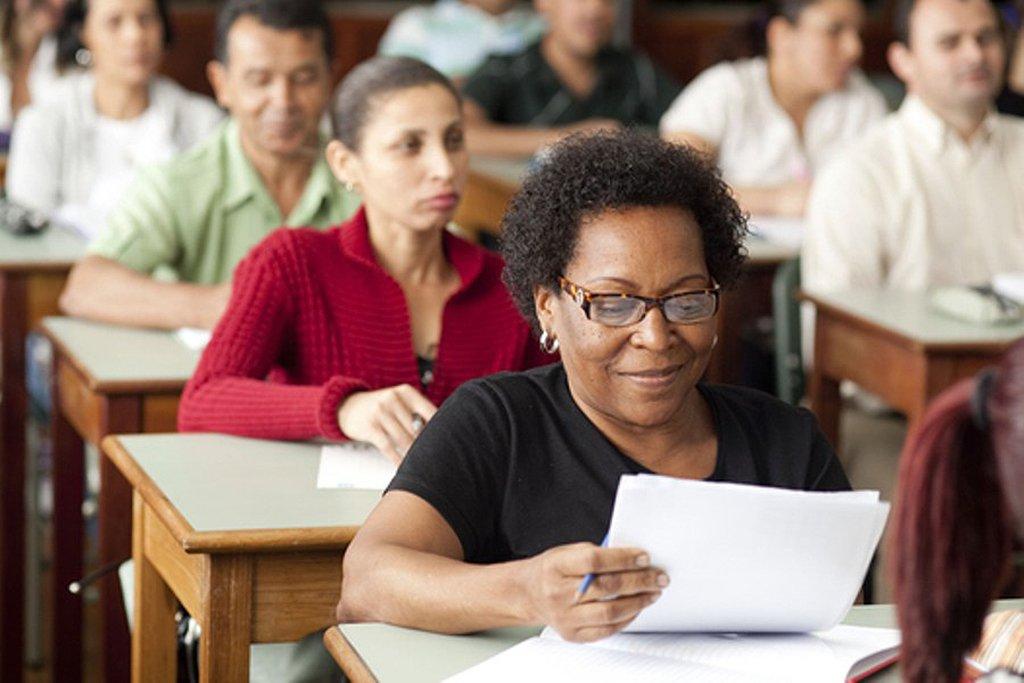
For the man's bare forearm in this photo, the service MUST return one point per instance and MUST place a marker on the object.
(102, 289)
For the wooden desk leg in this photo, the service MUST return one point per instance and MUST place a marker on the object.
(13, 328)
(68, 530)
(154, 646)
(826, 404)
(226, 620)
(123, 416)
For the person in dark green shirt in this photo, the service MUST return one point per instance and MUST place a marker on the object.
(573, 79)
(166, 255)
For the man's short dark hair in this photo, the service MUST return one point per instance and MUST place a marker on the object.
(901, 12)
(284, 15)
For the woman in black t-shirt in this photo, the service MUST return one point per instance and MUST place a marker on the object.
(493, 517)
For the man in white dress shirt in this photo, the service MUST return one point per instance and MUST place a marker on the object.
(934, 195)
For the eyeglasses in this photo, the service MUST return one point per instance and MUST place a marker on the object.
(621, 310)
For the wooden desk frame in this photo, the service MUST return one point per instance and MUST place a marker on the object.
(346, 657)
(28, 293)
(243, 587)
(86, 411)
(906, 373)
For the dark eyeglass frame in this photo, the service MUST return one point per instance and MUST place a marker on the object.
(583, 297)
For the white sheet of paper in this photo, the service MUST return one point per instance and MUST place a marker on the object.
(541, 659)
(193, 337)
(1010, 285)
(788, 232)
(354, 465)
(776, 657)
(747, 558)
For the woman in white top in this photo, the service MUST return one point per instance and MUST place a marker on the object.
(28, 53)
(73, 155)
(772, 121)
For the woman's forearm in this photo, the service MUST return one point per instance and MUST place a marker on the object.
(416, 589)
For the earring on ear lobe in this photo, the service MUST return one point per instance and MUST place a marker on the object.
(350, 186)
(714, 341)
(548, 342)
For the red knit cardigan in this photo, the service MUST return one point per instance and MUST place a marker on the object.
(313, 318)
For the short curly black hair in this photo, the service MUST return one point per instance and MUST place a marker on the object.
(585, 175)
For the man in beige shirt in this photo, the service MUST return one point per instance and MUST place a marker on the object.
(933, 195)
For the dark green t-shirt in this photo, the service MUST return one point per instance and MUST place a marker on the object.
(522, 89)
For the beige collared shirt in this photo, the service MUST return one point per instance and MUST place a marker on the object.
(913, 206)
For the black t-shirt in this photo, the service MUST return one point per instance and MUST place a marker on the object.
(523, 89)
(516, 468)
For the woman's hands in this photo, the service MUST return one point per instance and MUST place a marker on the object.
(387, 418)
(624, 584)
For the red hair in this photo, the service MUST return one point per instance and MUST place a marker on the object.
(961, 476)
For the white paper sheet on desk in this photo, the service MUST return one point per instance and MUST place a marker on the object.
(193, 337)
(787, 232)
(354, 465)
(747, 558)
(822, 657)
(1010, 285)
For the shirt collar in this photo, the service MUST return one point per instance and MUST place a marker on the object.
(938, 134)
(244, 184)
(467, 258)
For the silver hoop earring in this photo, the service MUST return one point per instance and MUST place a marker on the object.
(83, 57)
(350, 186)
(548, 342)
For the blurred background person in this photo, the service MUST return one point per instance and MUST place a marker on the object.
(74, 155)
(28, 55)
(772, 122)
(456, 36)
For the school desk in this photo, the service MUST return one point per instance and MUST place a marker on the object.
(893, 345)
(106, 379)
(236, 530)
(32, 273)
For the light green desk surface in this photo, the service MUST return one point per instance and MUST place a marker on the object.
(400, 655)
(506, 169)
(760, 250)
(908, 314)
(227, 483)
(54, 247)
(110, 354)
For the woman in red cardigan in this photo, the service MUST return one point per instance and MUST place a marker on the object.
(360, 331)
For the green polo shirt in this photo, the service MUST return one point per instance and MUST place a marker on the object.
(194, 218)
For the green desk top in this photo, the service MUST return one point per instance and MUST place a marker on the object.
(123, 357)
(908, 314)
(54, 248)
(505, 169)
(227, 483)
(433, 657)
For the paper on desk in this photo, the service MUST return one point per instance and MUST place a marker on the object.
(782, 657)
(541, 659)
(786, 232)
(193, 337)
(747, 558)
(1010, 285)
(354, 465)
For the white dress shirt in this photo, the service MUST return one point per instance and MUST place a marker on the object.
(913, 206)
(731, 106)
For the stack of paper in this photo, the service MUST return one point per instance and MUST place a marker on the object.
(354, 465)
(773, 564)
(747, 558)
(1010, 285)
(836, 655)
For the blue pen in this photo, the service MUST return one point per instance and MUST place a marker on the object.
(589, 578)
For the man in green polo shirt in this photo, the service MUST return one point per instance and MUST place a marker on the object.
(573, 80)
(166, 257)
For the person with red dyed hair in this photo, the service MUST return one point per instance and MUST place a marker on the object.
(960, 504)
